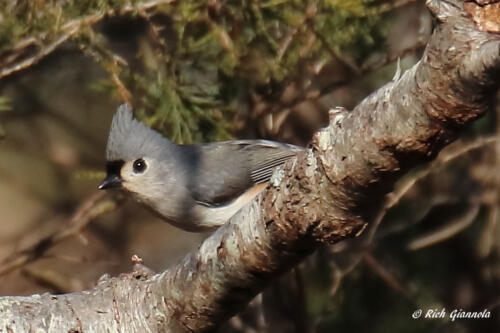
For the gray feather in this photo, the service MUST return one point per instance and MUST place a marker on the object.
(225, 170)
(130, 139)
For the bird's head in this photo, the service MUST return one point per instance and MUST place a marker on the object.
(137, 157)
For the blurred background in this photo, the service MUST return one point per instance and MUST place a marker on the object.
(217, 70)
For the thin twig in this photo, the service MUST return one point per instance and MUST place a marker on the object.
(384, 8)
(365, 244)
(69, 30)
(488, 234)
(446, 232)
(52, 280)
(96, 205)
(363, 70)
(342, 59)
(443, 159)
(385, 275)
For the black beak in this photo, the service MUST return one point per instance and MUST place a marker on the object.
(111, 181)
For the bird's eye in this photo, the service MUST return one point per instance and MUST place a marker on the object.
(139, 165)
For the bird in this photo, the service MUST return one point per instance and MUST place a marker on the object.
(195, 187)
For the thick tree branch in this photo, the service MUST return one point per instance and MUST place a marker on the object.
(325, 195)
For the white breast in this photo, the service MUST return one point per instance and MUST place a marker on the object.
(210, 217)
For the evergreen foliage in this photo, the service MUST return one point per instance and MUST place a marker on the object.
(201, 58)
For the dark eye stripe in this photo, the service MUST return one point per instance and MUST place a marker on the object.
(114, 167)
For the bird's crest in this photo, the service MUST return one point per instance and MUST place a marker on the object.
(129, 138)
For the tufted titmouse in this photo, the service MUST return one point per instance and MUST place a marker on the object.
(194, 187)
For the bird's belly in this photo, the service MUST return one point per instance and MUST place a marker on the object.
(211, 217)
(196, 217)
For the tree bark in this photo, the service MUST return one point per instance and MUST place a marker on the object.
(324, 195)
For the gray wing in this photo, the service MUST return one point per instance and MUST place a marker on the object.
(225, 170)
(267, 155)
